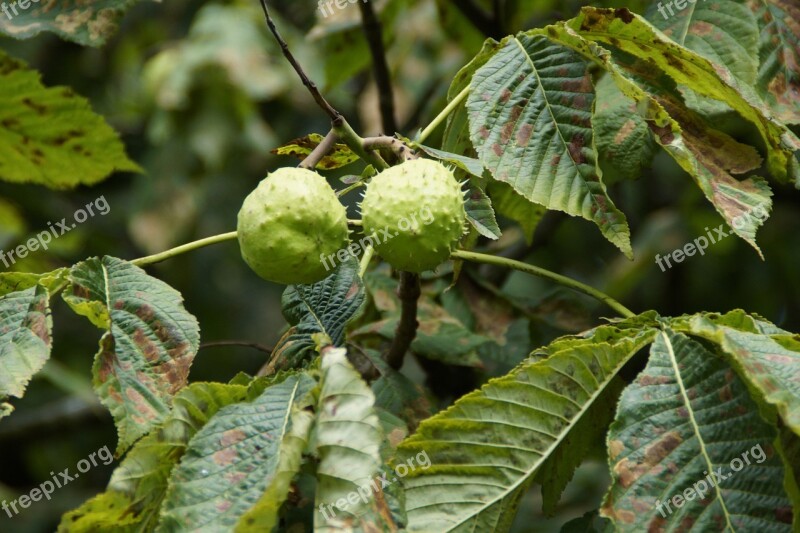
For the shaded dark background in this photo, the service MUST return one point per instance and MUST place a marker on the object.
(201, 95)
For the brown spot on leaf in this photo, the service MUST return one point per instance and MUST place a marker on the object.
(623, 14)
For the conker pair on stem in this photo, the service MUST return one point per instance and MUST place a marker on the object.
(413, 212)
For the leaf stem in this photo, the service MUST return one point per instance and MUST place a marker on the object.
(546, 274)
(455, 102)
(350, 188)
(189, 247)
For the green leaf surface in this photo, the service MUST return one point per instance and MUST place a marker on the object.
(685, 421)
(340, 156)
(770, 363)
(480, 213)
(511, 204)
(322, 308)
(723, 31)
(530, 110)
(348, 444)
(264, 516)
(19, 281)
(622, 136)
(104, 512)
(149, 345)
(633, 35)
(486, 448)
(86, 22)
(779, 50)
(25, 338)
(51, 136)
(232, 460)
(141, 478)
(456, 134)
(467, 164)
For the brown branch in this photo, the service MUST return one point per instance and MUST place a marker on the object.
(409, 292)
(310, 85)
(322, 149)
(395, 145)
(374, 33)
(484, 22)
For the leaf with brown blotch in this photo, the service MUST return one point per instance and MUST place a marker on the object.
(25, 339)
(689, 451)
(301, 148)
(146, 353)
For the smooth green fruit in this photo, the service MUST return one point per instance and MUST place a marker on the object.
(287, 223)
(415, 211)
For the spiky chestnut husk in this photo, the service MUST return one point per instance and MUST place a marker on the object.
(287, 223)
(421, 206)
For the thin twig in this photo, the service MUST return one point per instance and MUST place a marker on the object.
(244, 344)
(322, 149)
(546, 274)
(398, 147)
(374, 33)
(310, 85)
(484, 22)
(406, 331)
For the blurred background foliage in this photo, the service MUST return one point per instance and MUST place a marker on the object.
(201, 95)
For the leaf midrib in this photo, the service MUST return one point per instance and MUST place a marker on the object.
(695, 426)
(549, 450)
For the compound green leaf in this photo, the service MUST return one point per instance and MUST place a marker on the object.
(233, 459)
(530, 109)
(322, 308)
(723, 31)
(51, 136)
(770, 363)
(141, 478)
(348, 444)
(689, 450)
(84, 22)
(633, 35)
(486, 448)
(779, 72)
(708, 155)
(25, 338)
(148, 347)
